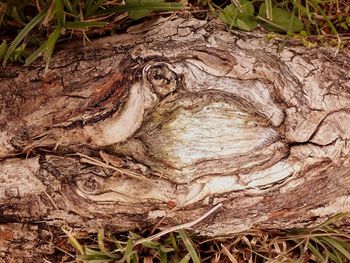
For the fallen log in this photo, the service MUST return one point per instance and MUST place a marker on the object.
(168, 120)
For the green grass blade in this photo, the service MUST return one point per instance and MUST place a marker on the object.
(186, 258)
(320, 243)
(87, 5)
(334, 219)
(59, 12)
(173, 241)
(24, 32)
(268, 6)
(17, 17)
(92, 8)
(315, 5)
(100, 241)
(3, 48)
(316, 252)
(37, 53)
(51, 42)
(269, 22)
(93, 252)
(144, 7)
(151, 244)
(134, 258)
(95, 256)
(118, 245)
(335, 257)
(2, 15)
(163, 257)
(155, 6)
(128, 252)
(137, 10)
(189, 246)
(74, 242)
(165, 249)
(84, 24)
(337, 245)
(71, 7)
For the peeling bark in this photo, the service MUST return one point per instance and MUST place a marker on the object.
(176, 111)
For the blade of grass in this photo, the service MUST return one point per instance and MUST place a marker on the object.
(71, 7)
(336, 257)
(189, 246)
(178, 227)
(173, 241)
(19, 53)
(93, 252)
(84, 24)
(185, 259)
(228, 254)
(268, 4)
(127, 252)
(37, 53)
(163, 257)
(333, 219)
(50, 14)
(336, 244)
(269, 22)
(59, 12)
(51, 42)
(87, 5)
(151, 244)
(316, 252)
(74, 242)
(91, 9)
(100, 241)
(166, 249)
(3, 48)
(24, 32)
(17, 17)
(315, 5)
(2, 15)
(151, 6)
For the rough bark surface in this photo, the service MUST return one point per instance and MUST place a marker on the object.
(175, 113)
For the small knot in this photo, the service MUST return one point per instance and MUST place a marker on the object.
(91, 184)
(163, 80)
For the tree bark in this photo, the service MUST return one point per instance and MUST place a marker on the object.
(167, 120)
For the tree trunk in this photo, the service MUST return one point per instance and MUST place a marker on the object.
(168, 120)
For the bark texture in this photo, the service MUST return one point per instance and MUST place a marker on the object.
(175, 113)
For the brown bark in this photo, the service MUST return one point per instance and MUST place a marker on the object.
(175, 112)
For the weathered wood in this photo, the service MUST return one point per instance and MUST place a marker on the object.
(177, 112)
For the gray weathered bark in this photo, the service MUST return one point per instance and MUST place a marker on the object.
(175, 113)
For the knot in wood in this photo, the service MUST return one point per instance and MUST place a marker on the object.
(90, 184)
(162, 79)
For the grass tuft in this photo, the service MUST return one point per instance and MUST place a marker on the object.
(324, 243)
(308, 20)
(34, 27)
(30, 29)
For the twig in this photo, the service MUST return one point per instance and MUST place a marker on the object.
(51, 200)
(179, 227)
(93, 161)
